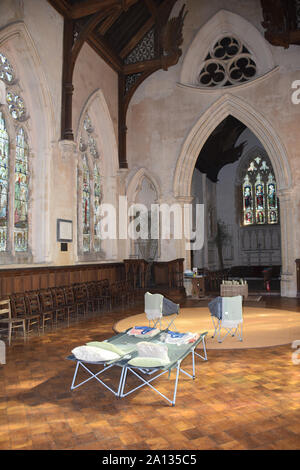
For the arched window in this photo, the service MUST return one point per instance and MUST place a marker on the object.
(97, 202)
(228, 62)
(90, 194)
(14, 166)
(4, 182)
(259, 193)
(86, 200)
(21, 192)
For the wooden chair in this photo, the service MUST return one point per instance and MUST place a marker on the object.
(19, 310)
(12, 323)
(103, 294)
(92, 298)
(81, 299)
(130, 292)
(70, 301)
(62, 309)
(47, 307)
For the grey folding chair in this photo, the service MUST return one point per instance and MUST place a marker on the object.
(227, 314)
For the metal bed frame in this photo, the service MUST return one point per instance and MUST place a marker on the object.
(139, 372)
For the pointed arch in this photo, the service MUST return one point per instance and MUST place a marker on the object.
(17, 43)
(104, 130)
(210, 119)
(135, 183)
(134, 186)
(23, 53)
(103, 183)
(191, 148)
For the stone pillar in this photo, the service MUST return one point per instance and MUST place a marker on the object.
(288, 255)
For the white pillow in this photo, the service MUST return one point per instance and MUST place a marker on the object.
(159, 351)
(92, 354)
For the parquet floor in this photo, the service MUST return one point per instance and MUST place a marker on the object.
(240, 399)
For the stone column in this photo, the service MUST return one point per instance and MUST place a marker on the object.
(288, 255)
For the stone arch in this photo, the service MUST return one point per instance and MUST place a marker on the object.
(136, 181)
(210, 119)
(108, 164)
(99, 113)
(17, 43)
(133, 189)
(225, 22)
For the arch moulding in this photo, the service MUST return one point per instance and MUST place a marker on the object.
(98, 111)
(210, 119)
(135, 183)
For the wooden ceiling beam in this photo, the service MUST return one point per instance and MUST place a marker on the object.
(144, 66)
(152, 8)
(62, 6)
(93, 6)
(85, 32)
(105, 51)
(159, 15)
(108, 22)
(136, 38)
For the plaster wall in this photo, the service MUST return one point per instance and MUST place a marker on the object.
(92, 73)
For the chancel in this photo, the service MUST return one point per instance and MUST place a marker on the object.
(149, 147)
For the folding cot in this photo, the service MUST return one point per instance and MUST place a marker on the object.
(227, 313)
(146, 370)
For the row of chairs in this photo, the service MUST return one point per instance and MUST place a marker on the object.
(48, 306)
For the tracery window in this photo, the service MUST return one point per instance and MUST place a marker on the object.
(21, 192)
(259, 192)
(229, 62)
(90, 194)
(14, 166)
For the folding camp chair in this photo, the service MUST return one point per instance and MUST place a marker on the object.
(227, 313)
(153, 308)
(157, 307)
(169, 309)
(215, 308)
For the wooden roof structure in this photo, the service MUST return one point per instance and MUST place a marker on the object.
(135, 37)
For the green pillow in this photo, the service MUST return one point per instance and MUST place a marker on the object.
(147, 362)
(107, 346)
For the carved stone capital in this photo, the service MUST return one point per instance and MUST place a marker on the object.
(67, 149)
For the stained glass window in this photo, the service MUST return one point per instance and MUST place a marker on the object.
(16, 106)
(91, 193)
(21, 192)
(97, 202)
(4, 182)
(6, 70)
(13, 201)
(86, 204)
(259, 192)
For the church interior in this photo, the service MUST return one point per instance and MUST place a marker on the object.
(113, 115)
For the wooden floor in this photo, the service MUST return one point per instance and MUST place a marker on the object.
(240, 399)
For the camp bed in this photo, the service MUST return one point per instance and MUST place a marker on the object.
(144, 372)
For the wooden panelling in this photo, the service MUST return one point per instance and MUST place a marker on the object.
(26, 279)
(298, 276)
